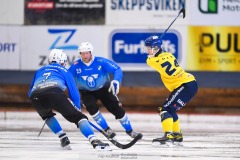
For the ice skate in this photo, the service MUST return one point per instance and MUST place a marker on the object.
(178, 138)
(167, 140)
(133, 134)
(65, 143)
(110, 132)
(100, 146)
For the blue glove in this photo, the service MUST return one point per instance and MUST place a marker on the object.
(114, 87)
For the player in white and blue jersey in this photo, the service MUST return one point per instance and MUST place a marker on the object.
(92, 78)
(47, 94)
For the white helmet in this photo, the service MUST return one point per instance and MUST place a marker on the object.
(58, 56)
(85, 47)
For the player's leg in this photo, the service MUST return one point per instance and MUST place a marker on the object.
(89, 100)
(113, 105)
(168, 113)
(72, 114)
(168, 116)
(167, 125)
(177, 134)
(188, 92)
(42, 106)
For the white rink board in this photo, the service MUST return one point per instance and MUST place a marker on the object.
(205, 137)
(31, 45)
(10, 46)
(37, 42)
(226, 13)
(12, 12)
(144, 12)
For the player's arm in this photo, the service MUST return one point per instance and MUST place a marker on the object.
(73, 92)
(113, 68)
(31, 86)
(72, 70)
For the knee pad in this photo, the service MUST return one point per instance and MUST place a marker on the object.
(165, 115)
(118, 112)
(171, 109)
(92, 109)
(47, 116)
(76, 118)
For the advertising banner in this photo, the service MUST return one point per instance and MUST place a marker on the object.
(10, 47)
(126, 46)
(64, 12)
(37, 43)
(144, 12)
(215, 12)
(213, 48)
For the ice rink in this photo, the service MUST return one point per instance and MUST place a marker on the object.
(211, 137)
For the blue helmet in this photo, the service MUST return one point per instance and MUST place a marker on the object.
(153, 42)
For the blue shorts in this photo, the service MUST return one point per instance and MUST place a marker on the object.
(180, 97)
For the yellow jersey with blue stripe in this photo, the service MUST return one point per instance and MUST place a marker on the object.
(171, 73)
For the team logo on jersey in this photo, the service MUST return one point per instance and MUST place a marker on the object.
(127, 46)
(90, 80)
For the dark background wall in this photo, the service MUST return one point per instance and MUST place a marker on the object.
(140, 79)
(219, 92)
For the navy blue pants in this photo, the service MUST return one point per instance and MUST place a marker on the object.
(180, 97)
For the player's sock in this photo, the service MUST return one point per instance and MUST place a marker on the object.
(125, 122)
(177, 134)
(86, 129)
(98, 117)
(176, 126)
(55, 127)
(167, 121)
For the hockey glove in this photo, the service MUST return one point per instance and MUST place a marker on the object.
(114, 87)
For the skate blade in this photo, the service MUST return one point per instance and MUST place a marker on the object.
(68, 147)
(178, 144)
(103, 148)
(156, 143)
(166, 144)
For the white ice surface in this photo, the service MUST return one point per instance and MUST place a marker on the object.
(211, 137)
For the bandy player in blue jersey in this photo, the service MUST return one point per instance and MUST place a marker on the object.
(181, 84)
(47, 94)
(92, 78)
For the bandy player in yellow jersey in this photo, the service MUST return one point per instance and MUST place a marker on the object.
(181, 84)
